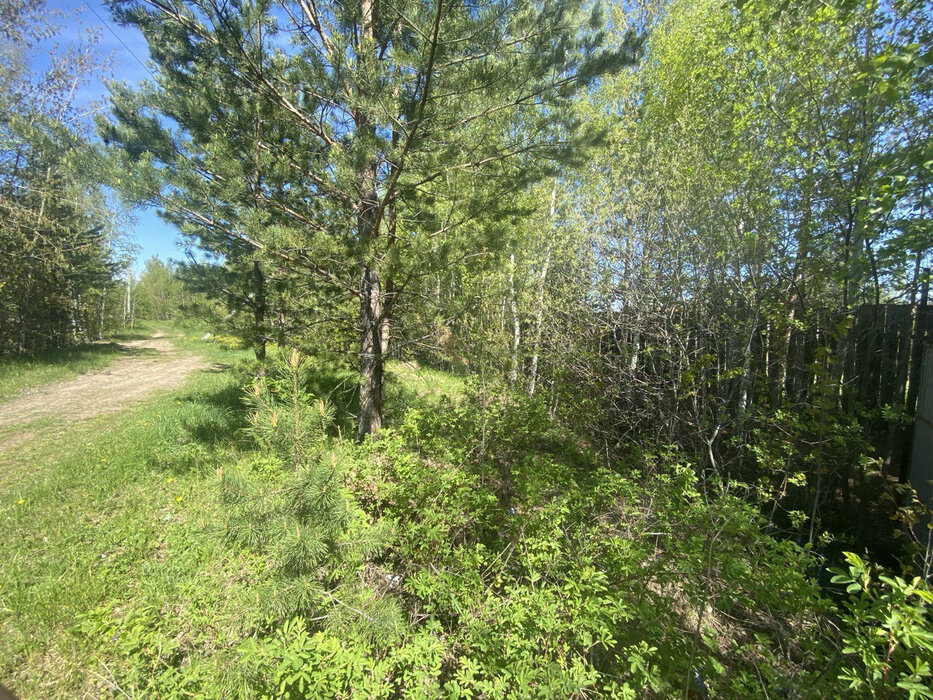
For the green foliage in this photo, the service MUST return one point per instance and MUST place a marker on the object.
(678, 315)
(887, 632)
(294, 663)
(552, 575)
(157, 292)
(295, 510)
(379, 150)
(478, 549)
(285, 419)
(150, 653)
(58, 237)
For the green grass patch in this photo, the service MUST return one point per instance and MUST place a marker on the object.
(114, 522)
(409, 380)
(140, 331)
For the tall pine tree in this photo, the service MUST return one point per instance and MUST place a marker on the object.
(350, 140)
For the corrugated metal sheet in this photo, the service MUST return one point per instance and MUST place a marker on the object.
(921, 460)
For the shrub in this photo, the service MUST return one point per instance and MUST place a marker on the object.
(886, 634)
(320, 545)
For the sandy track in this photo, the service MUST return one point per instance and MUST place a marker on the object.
(151, 365)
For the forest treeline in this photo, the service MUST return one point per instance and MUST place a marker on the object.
(67, 272)
(686, 242)
(56, 257)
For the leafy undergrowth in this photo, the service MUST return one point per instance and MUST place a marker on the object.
(535, 571)
(219, 545)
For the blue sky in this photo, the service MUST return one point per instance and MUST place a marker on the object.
(128, 52)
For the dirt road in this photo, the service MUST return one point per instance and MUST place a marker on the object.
(150, 365)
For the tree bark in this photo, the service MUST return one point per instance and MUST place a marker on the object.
(539, 310)
(371, 358)
(368, 214)
(516, 322)
(259, 312)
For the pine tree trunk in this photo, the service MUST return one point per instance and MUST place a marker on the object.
(371, 357)
(388, 286)
(385, 328)
(371, 318)
(259, 312)
(370, 292)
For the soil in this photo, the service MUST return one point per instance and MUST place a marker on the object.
(150, 365)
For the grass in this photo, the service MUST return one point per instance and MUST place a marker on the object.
(114, 521)
(425, 383)
(113, 569)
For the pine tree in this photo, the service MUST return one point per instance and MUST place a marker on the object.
(300, 515)
(350, 141)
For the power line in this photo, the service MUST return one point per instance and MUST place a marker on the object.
(117, 37)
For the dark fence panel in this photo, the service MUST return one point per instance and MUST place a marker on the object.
(921, 462)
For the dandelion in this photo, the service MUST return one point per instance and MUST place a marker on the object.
(178, 500)
(169, 480)
(21, 501)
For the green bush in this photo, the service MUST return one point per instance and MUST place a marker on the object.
(887, 634)
(549, 574)
(293, 508)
